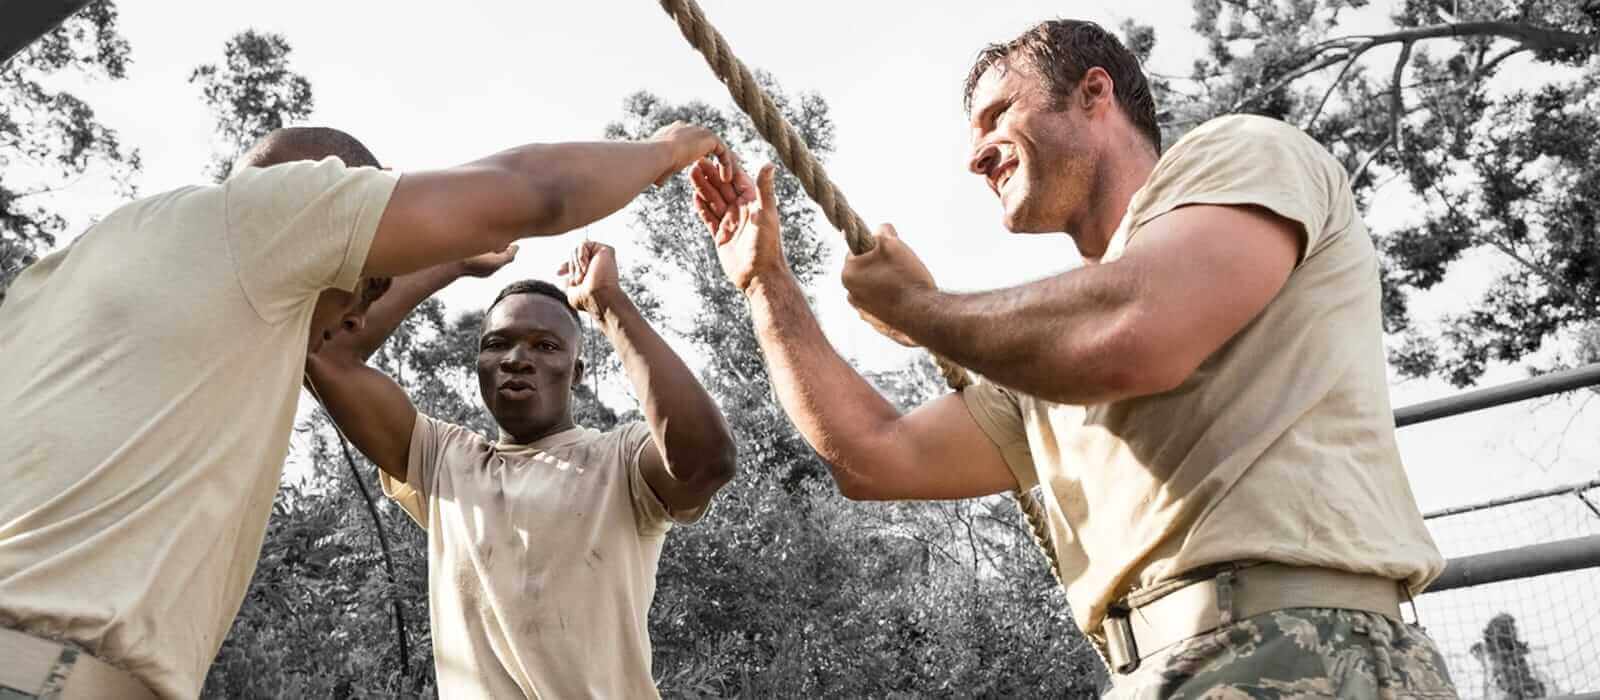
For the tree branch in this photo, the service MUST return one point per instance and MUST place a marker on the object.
(1510, 252)
(1396, 100)
(1348, 64)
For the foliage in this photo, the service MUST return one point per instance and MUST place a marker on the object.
(251, 93)
(1479, 113)
(1504, 656)
(51, 139)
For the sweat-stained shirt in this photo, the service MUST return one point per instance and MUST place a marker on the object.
(1280, 447)
(149, 374)
(541, 560)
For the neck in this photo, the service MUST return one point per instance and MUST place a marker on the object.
(1119, 178)
(536, 434)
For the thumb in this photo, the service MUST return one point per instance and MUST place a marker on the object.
(887, 231)
(764, 185)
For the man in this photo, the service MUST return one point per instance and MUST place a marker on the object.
(149, 374)
(543, 545)
(1204, 402)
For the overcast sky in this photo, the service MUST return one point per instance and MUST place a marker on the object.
(426, 87)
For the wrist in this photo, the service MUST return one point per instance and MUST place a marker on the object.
(606, 301)
(763, 282)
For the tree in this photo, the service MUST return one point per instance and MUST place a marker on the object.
(1504, 656)
(51, 139)
(252, 93)
(1480, 110)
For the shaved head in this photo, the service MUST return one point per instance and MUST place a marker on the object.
(306, 143)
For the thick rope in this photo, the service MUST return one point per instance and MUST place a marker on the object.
(796, 156)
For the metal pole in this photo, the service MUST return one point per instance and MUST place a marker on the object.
(23, 21)
(1521, 562)
(1508, 500)
(1552, 383)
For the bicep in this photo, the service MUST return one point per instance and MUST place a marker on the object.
(939, 452)
(441, 216)
(369, 408)
(1205, 272)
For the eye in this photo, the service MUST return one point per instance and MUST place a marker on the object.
(493, 343)
(549, 346)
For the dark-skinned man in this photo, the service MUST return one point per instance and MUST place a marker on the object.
(543, 544)
(150, 371)
(1204, 403)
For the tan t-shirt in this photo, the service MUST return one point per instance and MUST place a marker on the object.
(149, 374)
(1281, 445)
(541, 560)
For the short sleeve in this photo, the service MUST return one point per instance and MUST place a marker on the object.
(429, 439)
(998, 413)
(298, 228)
(1246, 160)
(650, 514)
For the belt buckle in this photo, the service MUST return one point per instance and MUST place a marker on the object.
(1122, 652)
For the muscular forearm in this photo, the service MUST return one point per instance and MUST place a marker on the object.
(835, 409)
(688, 427)
(1065, 338)
(585, 182)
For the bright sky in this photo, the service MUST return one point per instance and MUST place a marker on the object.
(428, 87)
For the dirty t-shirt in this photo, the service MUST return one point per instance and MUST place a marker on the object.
(1280, 447)
(149, 374)
(541, 560)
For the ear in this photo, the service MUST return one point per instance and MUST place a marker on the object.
(577, 372)
(1096, 90)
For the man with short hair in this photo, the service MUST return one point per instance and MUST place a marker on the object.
(543, 544)
(150, 371)
(1204, 403)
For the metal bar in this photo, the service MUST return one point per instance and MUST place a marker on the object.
(1508, 500)
(23, 21)
(1521, 562)
(1552, 383)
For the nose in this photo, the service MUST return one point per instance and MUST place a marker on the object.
(516, 360)
(984, 159)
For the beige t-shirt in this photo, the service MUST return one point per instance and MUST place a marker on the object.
(149, 374)
(1281, 445)
(541, 560)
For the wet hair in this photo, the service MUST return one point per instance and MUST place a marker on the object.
(1060, 52)
(305, 143)
(539, 287)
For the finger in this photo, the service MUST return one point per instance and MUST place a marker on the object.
(887, 231)
(728, 161)
(704, 191)
(703, 208)
(511, 252)
(725, 188)
(764, 181)
(713, 193)
(561, 271)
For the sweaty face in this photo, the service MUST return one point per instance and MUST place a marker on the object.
(528, 364)
(1032, 156)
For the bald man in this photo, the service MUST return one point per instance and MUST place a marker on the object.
(150, 370)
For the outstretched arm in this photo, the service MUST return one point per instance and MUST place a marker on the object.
(367, 405)
(439, 216)
(691, 453)
(935, 452)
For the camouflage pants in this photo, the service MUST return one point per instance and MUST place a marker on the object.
(1296, 653)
